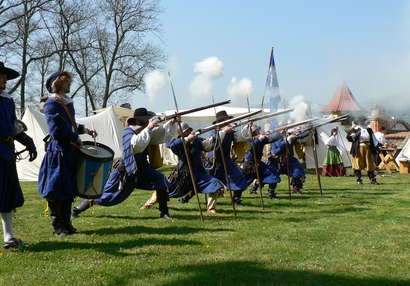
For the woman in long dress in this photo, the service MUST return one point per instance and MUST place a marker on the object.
(333, 164)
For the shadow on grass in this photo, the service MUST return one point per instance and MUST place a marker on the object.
(111, 248)
(149, 230)
(247, 273)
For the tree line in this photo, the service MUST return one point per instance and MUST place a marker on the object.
(107, 44)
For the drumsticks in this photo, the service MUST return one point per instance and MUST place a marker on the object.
(95, 143)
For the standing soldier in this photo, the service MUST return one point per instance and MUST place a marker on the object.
(364, 146)
(11, 196)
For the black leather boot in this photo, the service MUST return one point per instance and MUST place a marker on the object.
(237, 198)
(66, 213)
(271, 192)
(185, 199)
(297, 185)
(254, 189)
(82, 206)
(358, 175)
(372, 178)
(59, 226)
(162, 197)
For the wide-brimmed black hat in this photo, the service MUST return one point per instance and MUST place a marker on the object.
(143, 114)
(221, 116)
(10, 73)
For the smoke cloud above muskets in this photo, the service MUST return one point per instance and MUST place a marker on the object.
(154, 83)
(202, 85)
(238, 91)
(301, 108)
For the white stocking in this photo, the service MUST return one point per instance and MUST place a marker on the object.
(7, 220)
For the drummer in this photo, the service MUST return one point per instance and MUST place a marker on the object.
(57, 176)
(134, 171)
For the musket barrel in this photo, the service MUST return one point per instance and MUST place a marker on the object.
(181, 113)
(265, 116)
(211, 127)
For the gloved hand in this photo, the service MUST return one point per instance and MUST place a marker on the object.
(26, 140)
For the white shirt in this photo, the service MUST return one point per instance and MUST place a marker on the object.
(156, 136)
(380, 137)
(331, 141)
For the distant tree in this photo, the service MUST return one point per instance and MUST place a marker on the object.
(125, 55)
(24, 30)
(104, 42)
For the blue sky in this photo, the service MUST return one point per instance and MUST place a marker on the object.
(223, 48)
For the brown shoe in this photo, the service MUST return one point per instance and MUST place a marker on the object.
(144, 207)
(212, 211)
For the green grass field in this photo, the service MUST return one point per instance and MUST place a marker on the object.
(350, 235)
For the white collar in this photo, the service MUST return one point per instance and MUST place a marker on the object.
(64, 98)
(3, 93)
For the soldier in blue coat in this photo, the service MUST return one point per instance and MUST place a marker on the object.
(134, 171)
(11, 196)
(57, 177)
(278, 161)
(181, 179)
(268, 175)
(228, 137)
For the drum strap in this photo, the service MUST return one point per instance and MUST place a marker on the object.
(68, 112)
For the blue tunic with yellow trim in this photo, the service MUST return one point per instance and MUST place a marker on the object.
(236, 178)
(57, 176)
(279, 163)
(268, 175)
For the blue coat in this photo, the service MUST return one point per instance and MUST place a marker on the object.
(268, 175)
(57, 176)
(236, 178)
(11, 196)
(279, 163)
(205, 183)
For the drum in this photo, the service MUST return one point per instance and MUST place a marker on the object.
(93, 169)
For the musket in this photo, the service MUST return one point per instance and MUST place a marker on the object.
(188, 159)
(292, 125)
(226, 122)
(224, 163)
(262, 117)
(163, 117)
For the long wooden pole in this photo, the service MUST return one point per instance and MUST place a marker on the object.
(316, 163)
(188, 159)
(287, 163)
(255, 158)
(224, 164)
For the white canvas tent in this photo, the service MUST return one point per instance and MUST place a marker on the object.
(404, 154)
(321, 148)
(108, 126)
